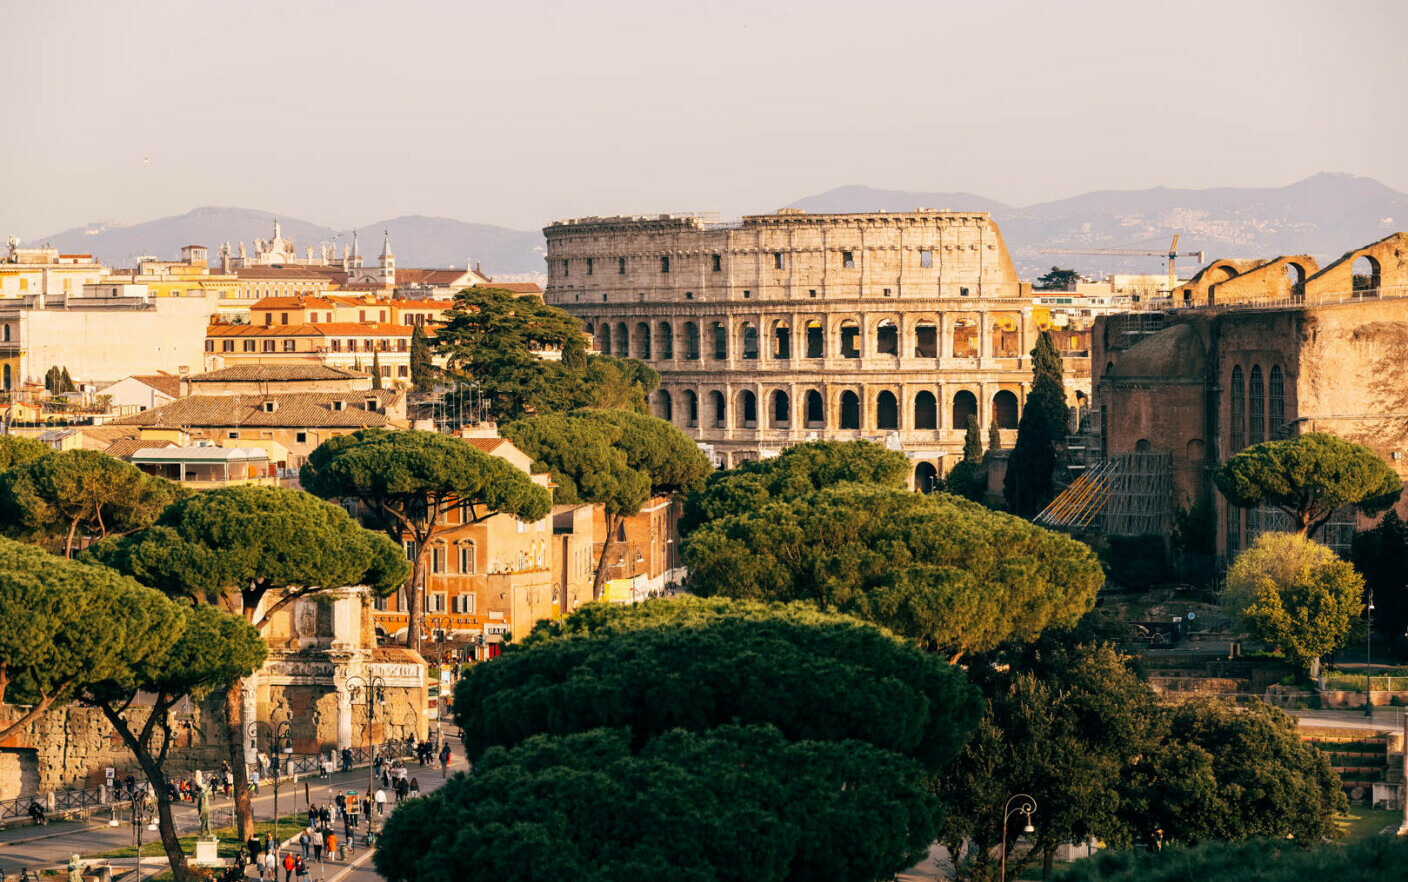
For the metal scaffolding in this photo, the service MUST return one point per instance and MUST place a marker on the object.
(1126, 495)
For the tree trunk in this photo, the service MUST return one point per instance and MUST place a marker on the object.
(235, 723)
(612, 522)
(1048, 857)
(156, 779)
(415, 596)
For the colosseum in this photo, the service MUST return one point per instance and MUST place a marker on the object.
(791, 326)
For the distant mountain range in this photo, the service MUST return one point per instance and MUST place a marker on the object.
(1324, 215)
(417, 241)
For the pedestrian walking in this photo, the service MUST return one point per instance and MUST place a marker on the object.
(318, 847)
(301, 870)
(269, 865)
(270, 846)
(254, 782)
(415, 787)
(305, 839)
(380, 802)
(259, 865)
(445, 761)
(289, 864)
(331, 843)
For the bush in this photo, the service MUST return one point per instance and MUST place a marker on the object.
(1139, 561)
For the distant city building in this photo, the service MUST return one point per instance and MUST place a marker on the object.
(27, 272)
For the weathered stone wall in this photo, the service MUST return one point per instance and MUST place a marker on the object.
(791, 326)
(69, 748)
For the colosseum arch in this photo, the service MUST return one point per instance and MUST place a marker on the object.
(642, 341)
(848, 338)
(623, 341)
(965, 337)
(815, 414)
(1367, 275)
(691, 341)
(603, 338)
(850, 410)
(815, 339)
(664, 406)
(926, 478)
(1005, 340)
(926, 339)
(718, 339)
(690, 408)
(926, 411)
(1004, 409)
(718, 410)
(965, 405)
(779, 410)
(781, 336)
(747, 410)
(750, 341)
(887, 411)
(665, 340)
(887, 337)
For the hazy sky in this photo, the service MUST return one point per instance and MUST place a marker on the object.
(521, 112)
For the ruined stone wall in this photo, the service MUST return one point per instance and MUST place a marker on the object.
(70, 748)
(791, 326)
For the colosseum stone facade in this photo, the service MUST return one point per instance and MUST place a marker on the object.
(792, 326)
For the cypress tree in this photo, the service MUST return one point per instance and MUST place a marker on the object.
(1027, 486)
(376, 370)
(422, 368)
(66, 382)
(972, 442)
(51, 379)
(994, 438)
(969, 478)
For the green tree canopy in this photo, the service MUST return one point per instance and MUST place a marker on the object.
(1219, 771)
(16, 450)
(55, 500)
(1058, 280)
(422, 361)
(969, 477)
(232, 546)
(947, 572)
(1027, 485)
(1379, 553)
(737, 803)
(65, 625)
(1308, 478)
(376, 370)
(797, 471)
(1376, 859)
(211, 650)
(410, 479)
(1295, 594)
(699, 664)
(493, 341)
(613, 458)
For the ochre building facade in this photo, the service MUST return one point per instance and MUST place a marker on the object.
(790, 327)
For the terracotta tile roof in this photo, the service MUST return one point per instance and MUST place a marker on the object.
(431, 276)
(262, 331)
(297, 302)
(292, 410)
(515, 287)
(166, 384)
(353, 329)
(422, 304)
(258, 373)
(488, 445)
(125, 447)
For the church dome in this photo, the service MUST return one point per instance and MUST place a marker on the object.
(1176, 352)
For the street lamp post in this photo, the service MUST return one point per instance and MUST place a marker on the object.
(1368, 657)
(280, 738)
(1024, 807)
(375, 690)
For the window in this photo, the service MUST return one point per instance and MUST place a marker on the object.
(778, 261)
(283, 318)
(620, 267)
(664, 263)
(811, 292)
(467, 558)
(268, 318)
(403, 345)
(232, 434)
(848, 260)
(1256, 398)
(464, 603)
(1277, 416)
(720, 342)
(1237, 407)
(290, 345)
(591, 265)
(381, 316)
(435, 602)
(926, 258)
(250, 345)
(962, 292)
(270, 406)
(718, 263)
(300, 437)
(410, 547)
(782, 342)
(269, 346)
(209, 345)
(380, 604)
(566, 266)
(401, 371)
(437, 559)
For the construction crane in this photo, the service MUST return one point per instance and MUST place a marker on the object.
(1172, 254)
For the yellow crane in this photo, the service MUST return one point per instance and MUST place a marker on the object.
(1172, 254)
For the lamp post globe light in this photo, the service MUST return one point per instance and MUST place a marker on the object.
(373, 690)
(1025, 806)
(279, 735)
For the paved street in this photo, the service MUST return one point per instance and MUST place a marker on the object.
(23, 846)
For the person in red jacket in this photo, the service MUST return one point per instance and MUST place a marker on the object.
(289, 864)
